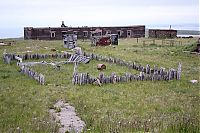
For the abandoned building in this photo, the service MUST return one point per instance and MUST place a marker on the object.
(85, 32)
(57, 33)
(159, 33)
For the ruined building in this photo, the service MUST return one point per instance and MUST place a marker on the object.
(159, 33)
(85, 32)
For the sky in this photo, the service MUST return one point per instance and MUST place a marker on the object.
(17, 14)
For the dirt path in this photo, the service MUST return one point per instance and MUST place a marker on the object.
(65, 114)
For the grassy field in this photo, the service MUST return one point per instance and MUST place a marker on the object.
(159, 106)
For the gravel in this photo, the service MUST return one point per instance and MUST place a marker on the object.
(66, 116)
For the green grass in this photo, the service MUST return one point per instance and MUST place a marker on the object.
(138, 106)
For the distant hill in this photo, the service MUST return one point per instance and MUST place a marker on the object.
(188, 32)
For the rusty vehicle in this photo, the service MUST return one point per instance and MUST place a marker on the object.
(105, 40)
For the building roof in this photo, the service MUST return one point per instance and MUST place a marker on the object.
(163, 29)
(87, 27)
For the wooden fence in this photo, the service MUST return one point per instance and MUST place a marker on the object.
(146, 72)
(36, 76)
(162, 42)
(133, 65)
(86, 78)
(9, 57)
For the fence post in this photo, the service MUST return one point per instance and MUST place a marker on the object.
(144, 43)
(154, 42)
(179, 71)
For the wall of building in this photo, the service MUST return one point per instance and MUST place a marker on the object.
(56, 33)
(158, 33)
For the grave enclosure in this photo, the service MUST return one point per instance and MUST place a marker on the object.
(144, 72)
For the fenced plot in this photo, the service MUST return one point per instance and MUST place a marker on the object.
(146, 73)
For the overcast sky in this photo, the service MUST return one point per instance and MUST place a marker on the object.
(16, 14)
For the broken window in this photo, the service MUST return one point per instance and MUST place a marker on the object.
(64, 33)
(108, 32)
(119, 32)
(100, 33)
(85, 33)
(128, 33)
(53, 34)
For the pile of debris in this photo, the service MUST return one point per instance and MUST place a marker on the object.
(70, 41)
(79, 58)
(7, 43)
(194, 49)
(197, 49)
(106, 40)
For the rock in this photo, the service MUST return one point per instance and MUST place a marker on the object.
(101, 67)
(53, 49)
(77, 50)
(194, 81)
(97, 82)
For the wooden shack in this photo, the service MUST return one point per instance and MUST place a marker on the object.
(162, 33)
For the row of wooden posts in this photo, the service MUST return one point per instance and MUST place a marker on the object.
(23, 68)
(164, 42)
(9, 57)
(86, 78)
(36, 76)
(133, 65)
(146, 73)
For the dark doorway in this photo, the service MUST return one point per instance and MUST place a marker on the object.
(64, 33)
